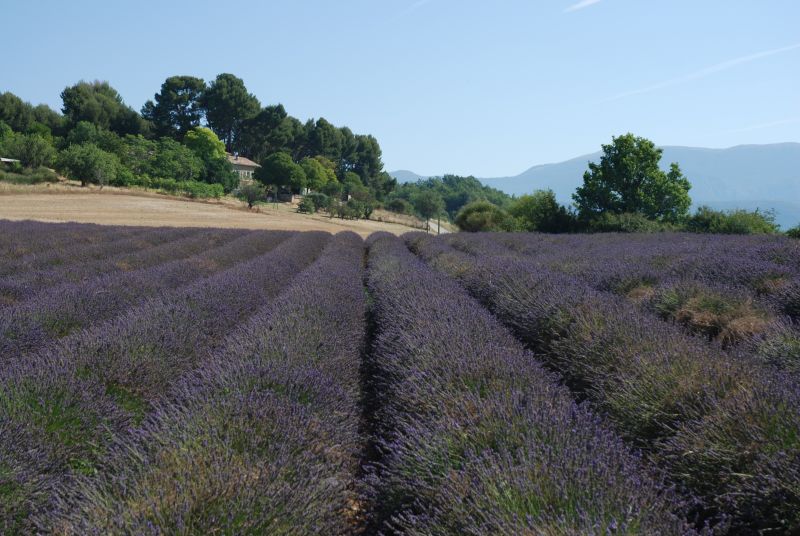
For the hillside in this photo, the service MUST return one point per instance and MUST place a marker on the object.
(746, 176)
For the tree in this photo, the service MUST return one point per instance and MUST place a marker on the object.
(211, 151)
(269, 131)
(484, 216)
(205, 144)
(174, 160)
(15, 112)
(88, 164)
(227, 104)
(541, 212)
(324, 139)
(251, 194)
(31, 150)
(317, 175)
(137, 154)
(177, 106)
(279, 169)
(629, 180)
(100, 104)
(428, 204)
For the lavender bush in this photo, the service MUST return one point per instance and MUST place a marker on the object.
(651, 379)
(261, 438)
(476, 437)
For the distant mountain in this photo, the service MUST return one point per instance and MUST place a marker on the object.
(403, 175)
(746, 176)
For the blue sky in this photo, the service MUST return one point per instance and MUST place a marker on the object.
(464, 86)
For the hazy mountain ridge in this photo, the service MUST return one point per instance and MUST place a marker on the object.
(745, 176)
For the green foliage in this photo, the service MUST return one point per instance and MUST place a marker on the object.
(227, 104)
(16, 113)
(280, 170)
(5, 131)
(175, 161)
(541, 212)
(194, 189)
(32, 150)
(400, 206)
(455, 191)
(177, 109)
(794, 232)
(100, 104)
(306, 206)
(609, 222)
(220, 171)
(427, 203)
(320, 200)
(629, 180)
(216, 169)
(88, 164)
(333, 190)
(708, 220)
(270, 131)
(251, 194)
(317, 173)
(28, 176)
(324, 139)
(481, 216)
(82, 132)
(205, 144)
(95, 114)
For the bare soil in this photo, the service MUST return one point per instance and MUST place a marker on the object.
(112, 206)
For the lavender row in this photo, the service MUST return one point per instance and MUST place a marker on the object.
(477, 438)
(729, 314)
(767, 268)
(263, 437)
(119, 256)
(59, 406)
(65, 309)
(62, 254)
(726, 429)
(22, 241)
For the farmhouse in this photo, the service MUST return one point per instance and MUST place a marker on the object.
(244, 167)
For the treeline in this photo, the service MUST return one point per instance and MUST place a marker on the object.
(180, 138)
(626, 191)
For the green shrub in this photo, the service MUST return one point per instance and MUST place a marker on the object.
(306, 206)
(541, 212)
(483, 216)
(356, 208)
(251, 194)
(739, 221)
(88, 164)
(399, 206)
(626, 223)
(29, 176)
(794, 232)
(32, 150)
(320, 200)
(201, 190)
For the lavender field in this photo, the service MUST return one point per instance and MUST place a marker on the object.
(209, 381)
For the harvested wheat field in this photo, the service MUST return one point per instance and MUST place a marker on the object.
(114, 207)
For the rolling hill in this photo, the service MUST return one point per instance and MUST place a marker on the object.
(745, 176)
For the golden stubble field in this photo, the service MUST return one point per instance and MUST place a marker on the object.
(111, 206)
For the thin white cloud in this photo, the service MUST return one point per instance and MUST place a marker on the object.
(724, 66)
(766, 125)
(418, 4)
(580, 5)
